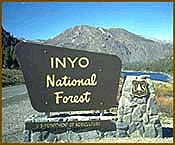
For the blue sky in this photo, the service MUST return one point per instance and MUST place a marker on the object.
(43, 20)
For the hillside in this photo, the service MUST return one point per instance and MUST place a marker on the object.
(131, 48)
(136, 52)
(161, 65)
(8, 52)
(128, 46)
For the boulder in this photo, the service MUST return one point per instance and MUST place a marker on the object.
(110, 134)
(44, 135)
(137, 114)
(141, 100)
(121, 125)
(143, 108)
(154, 119)
(127, 110)
(135, 134)
(150, 131)
(36, 137)
(127, 118)
(145, 118)
(132, 127)
(141, 128)
(74, 136)
(159, 130)
(51, 138)
(151, 106)
(63, 137)
(121, 133)
(26, 136)
(89, 135)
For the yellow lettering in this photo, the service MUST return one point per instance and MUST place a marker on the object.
(93, 79)
(59, 83)
(86, 94)
(50, 80)
(87, 82)
(62, 63)
(83, 98)
(86, 62)
(51, 62)
(74, 82)
(72, 62)
(66, 81)
(76, 99)
(58, 96)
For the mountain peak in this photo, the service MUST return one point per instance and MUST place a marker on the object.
(118, 41)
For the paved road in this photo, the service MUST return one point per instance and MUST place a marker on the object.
(9, 92)
(16, 108)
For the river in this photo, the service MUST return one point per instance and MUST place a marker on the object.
(158, 76)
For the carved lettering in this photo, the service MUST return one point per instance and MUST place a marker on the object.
(56, 62)
(83, 98)
(65, 81)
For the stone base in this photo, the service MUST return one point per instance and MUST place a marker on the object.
(138, 108)
(79, 128)
(68, 129)
(150, 128)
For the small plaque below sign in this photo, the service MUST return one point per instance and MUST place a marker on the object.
(61, 126)
(61, 79)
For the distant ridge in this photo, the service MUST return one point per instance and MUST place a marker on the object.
(128, 46)
(136, 52)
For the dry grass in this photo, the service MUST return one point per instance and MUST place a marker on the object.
(164, 89)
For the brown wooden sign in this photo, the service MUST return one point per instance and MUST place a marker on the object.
(62, 79)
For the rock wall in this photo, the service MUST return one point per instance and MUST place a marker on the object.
(68, 136)
(138, 115)
(68, 129)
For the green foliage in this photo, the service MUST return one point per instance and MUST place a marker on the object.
(162, 65)
(8, 44)
(12, 77)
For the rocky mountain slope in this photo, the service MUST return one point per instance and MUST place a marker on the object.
(128, 46)
(131, 48)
